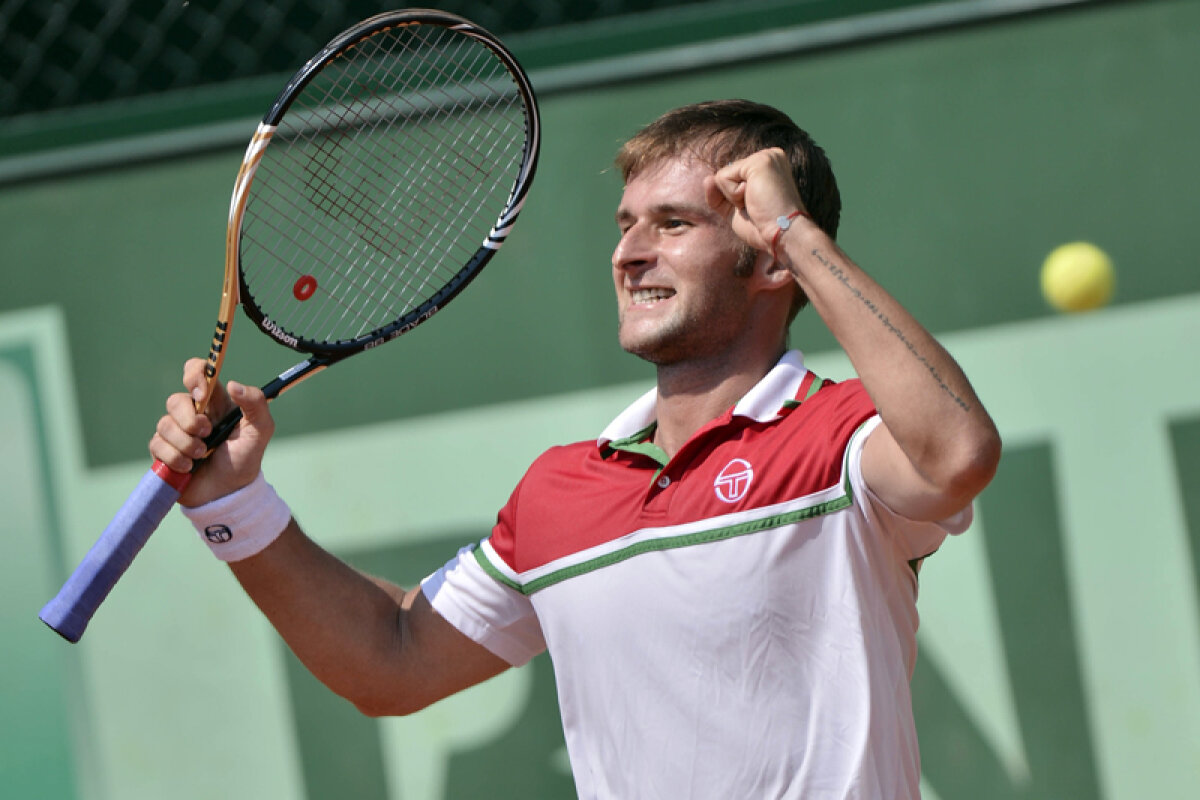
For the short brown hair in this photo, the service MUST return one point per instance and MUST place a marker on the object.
(720, 131)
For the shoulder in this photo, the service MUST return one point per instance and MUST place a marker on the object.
(835, 408)
(555, 470)
(572, 498)
(848, 394)
(551, 486)
(563, 458)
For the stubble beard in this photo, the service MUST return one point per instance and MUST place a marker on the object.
(693, 332)
(665, 345)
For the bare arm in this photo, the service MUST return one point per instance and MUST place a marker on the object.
(381, 647)
(384, 649)
(937, 447)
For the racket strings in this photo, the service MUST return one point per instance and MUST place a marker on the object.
(419, 281)
(365, 295)
(383, 180)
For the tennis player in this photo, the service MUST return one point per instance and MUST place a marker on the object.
(726, 577)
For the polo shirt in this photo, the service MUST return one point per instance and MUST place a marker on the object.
(738, 621)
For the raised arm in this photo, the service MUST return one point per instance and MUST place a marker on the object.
(937, 447)
(381, 647)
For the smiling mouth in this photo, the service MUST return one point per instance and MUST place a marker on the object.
(645, 296)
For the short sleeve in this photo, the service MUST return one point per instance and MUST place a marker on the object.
(918, 538)
(484, 609)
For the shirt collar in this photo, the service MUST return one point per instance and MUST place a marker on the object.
(762, 403)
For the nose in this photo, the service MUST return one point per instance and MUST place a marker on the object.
(633, 250)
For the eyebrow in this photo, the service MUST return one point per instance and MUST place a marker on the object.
(667, 210)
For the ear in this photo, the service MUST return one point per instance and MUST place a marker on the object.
(775, 274)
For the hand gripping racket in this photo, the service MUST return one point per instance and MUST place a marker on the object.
(385, 176)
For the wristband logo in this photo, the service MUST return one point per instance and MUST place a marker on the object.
(733, 481)
(218, 534)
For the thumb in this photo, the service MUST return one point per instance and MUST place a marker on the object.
(257, 425)
(237, 460)
(256, 414)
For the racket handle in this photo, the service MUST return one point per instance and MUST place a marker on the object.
(69, 613)
(222, 429)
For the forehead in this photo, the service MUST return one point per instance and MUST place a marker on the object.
(670, 180)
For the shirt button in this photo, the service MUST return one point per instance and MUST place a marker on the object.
(664, 482)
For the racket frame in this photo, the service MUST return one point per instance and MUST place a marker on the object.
(326, 353)
(70, 611)
(235, 291)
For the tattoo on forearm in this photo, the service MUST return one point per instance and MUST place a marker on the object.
(837, 272)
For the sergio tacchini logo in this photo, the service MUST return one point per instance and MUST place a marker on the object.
(734, 480)
(218, 534)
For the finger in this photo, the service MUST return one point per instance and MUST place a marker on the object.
(255, 408)
(207, 394)
(171, 457)
(731, 180)
(182, 414)
(193, 375)
(183, 422)
(176, 441)
(179, 460)
(722, 192)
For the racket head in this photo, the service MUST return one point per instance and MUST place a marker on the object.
(384, 178)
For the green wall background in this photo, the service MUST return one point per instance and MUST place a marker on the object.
(964, 157)
(1061, 647)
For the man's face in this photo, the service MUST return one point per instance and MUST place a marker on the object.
(674, 268)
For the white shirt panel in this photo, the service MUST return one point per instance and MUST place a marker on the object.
(773, 664)
(496, 616)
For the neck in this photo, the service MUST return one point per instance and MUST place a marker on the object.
(693, 393)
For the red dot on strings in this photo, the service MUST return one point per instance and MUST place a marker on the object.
(304, 287)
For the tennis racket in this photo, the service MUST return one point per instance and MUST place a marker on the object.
(385, 176)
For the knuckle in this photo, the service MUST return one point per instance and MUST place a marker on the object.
(196, 426)
(177, 400)
(168, 455)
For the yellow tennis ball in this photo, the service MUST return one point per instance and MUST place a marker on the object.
(1078, 277)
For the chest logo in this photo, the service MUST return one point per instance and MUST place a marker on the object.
(733, 481)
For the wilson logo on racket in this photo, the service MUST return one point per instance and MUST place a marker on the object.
(270, 326)
(218, 534)
(362, 100)
(734, 481)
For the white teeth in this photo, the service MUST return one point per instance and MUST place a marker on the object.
(650, 295)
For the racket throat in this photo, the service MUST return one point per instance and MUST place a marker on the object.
(302, 371)
(274, 388)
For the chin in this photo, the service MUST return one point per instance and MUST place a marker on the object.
(654, 350)
(666, 342)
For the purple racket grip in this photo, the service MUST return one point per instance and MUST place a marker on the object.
(69, 613)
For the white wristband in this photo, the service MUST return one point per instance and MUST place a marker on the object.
(243, 523)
